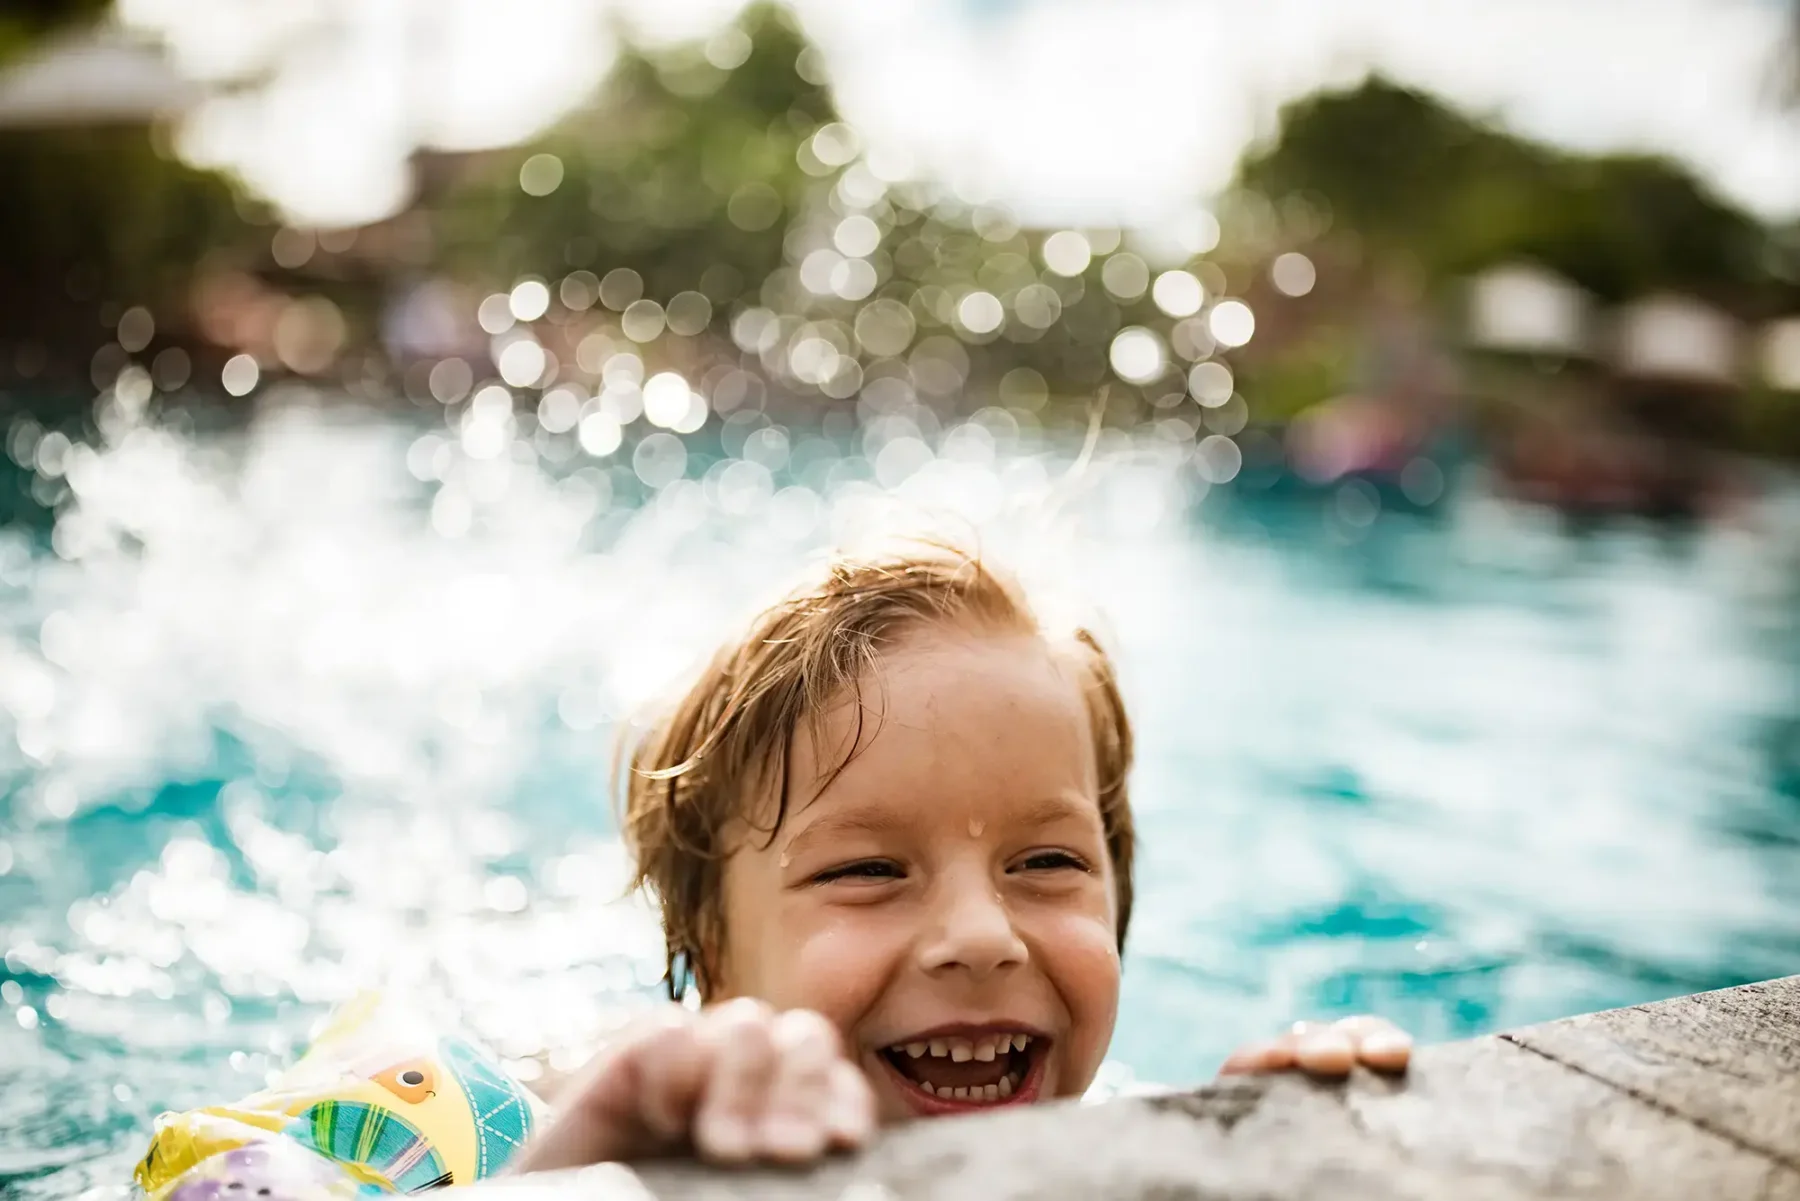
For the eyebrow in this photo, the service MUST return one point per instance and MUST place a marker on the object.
(1041, 811)
(852, 821)
(1048, 810)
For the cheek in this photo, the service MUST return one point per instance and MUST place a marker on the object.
(1080, 956)
(835, 961)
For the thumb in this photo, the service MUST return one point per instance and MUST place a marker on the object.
(631, 1102)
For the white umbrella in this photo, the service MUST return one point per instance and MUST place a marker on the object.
(102, 76)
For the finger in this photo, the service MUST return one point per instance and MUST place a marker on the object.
(1276, 1055)
(1325, 1052)
(672, 1070)
(1379, 1043)
(736, 1091)
(602, 1118)
(793, 1125)
(1387, 1050)
(850, 1118)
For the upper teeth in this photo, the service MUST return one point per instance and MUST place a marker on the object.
(961, 1050)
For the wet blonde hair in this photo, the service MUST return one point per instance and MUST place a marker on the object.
(707, 763)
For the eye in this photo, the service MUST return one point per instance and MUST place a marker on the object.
(1051, 861)
(412, 1077)
(865, 869)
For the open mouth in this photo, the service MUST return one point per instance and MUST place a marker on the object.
(945, 1073)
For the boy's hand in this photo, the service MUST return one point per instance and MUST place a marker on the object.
(731, 1084)
(1327, 1049)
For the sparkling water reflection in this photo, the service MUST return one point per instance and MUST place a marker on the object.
(332, 702)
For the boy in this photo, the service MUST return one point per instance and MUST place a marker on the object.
(890, 834)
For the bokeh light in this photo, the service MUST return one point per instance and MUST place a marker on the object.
(980, 312)
(1232, 323)
(529, 300)
(1293, 274)
(642, 321)
(601, 433)
(856, 236)
(620, 288)
(541, 175)
(1178, 293)
(1067, 252)
(1219, 459)
(1125, 275)
(1137, 355)
(1210, 383)
(688, 314)
(495, 314)
(559, 410)
(665, 399)
(522, 362)
(136, 328)
(579, 290)
(239, 375)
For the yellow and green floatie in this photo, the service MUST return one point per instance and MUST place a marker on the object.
(378, 1105)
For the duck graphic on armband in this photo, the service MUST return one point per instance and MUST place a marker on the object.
(425, 1121)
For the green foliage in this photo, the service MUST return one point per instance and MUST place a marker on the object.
(109, 218)
(651, 167)
(1768, 422)
(25, 23)
(1321, 366)
(1411, 176)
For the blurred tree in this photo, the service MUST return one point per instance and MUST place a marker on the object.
(701, 161)
(112, 221)
(24, 22)
(687, 160)
(1412, 177)
(1791, 53)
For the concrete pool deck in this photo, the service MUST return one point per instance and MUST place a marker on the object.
(1697, 1097)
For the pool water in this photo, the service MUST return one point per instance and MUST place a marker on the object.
(328, 702)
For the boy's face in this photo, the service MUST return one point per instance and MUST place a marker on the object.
(947, 901)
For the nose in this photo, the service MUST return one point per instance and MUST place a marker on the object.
(971, 928)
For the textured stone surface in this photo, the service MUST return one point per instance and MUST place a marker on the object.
(1728, 1061)
(1693, 1098)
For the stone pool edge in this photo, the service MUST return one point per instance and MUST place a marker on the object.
(1695, 1097)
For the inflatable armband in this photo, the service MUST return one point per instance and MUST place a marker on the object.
(379, 1104)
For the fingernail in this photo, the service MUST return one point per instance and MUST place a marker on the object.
(1387, 1043)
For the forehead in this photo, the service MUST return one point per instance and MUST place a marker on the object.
(951, 719)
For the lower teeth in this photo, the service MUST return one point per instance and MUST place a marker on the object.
(977, 1092)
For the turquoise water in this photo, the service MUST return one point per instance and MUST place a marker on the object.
(330, 703)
